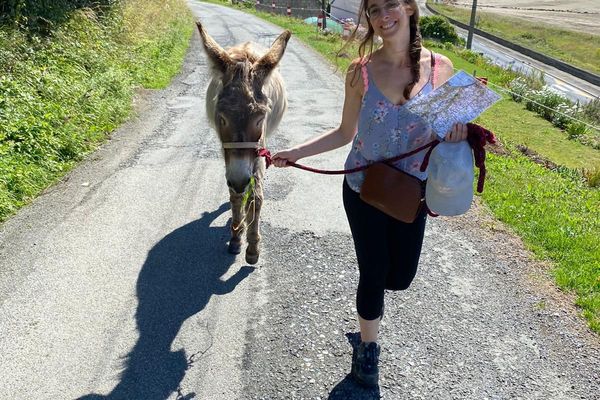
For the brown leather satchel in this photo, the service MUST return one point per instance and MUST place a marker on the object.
(392, 191)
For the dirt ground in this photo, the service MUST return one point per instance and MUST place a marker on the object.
(580, 15)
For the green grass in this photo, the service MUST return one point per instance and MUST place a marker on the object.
(554, 211)
(557, 217)
(62, 92)
(513, 124)
(528, 129)
(579, 49)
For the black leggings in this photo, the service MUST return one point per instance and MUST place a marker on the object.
(387, 251)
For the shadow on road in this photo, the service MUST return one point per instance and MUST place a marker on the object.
(347, 388)
(180, 275)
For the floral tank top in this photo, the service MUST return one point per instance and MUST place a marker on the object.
(387, 130)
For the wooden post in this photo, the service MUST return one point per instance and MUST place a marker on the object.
(471, 25)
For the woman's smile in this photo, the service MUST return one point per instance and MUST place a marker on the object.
(387, 26)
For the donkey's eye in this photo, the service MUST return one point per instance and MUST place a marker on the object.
(222, 121)
(259, 122)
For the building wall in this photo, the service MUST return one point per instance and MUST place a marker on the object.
(342, 9)
(300, 8)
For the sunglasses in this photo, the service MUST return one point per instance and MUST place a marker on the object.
(376, 12)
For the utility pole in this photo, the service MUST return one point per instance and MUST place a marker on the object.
(472, 25)
(324, 8)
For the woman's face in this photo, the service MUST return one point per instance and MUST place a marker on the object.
(387, 17)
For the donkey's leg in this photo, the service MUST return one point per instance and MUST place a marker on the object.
(253, 207)
(237, 222)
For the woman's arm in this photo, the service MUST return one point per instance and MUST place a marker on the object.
(337, 137)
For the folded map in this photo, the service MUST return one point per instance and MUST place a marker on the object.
(458, 100)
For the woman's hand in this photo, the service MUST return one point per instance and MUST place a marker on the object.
(457, 133)
(281, 158)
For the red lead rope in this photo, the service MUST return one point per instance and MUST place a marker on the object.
(477, 136)
(262, 152)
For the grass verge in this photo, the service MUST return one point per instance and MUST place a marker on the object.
(554, 211)
(63, 91)
(576, 48)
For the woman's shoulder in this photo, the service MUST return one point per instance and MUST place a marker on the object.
(445, 69)
(441, 59)
(356, 74)
(356, 67)
(359, 62)
(443, 63)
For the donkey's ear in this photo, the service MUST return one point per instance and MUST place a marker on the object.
(264, 65)
(218, 57)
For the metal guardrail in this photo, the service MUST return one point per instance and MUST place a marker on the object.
(577, 72)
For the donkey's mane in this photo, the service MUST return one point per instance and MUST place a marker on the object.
(245, 51)
(244, 55)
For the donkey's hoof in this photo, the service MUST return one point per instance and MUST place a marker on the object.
(251, 258)
(235, 247)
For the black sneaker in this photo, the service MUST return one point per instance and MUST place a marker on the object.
(365, 360)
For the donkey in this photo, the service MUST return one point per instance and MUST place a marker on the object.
(245, 102)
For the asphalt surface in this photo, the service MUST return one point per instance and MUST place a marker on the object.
(116, 284)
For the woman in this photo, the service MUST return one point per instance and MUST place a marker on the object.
(377, 86)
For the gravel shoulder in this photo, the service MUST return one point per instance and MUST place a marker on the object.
(481, 321)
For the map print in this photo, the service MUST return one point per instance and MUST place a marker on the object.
(460, 99)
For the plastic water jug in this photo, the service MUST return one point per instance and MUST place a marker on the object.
(449, 189)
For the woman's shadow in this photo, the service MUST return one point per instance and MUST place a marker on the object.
(180, 275)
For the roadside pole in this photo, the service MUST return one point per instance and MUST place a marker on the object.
(471, 25)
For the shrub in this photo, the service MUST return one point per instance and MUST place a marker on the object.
(576, 129)
(518, 88)
(592, 176)
(534, 80)
(449, 46)
(564, 114)
(545, 101)
(591, 111)
(472, 57)
(42, 16)
(436, 27)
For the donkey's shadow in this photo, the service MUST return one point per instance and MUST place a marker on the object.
(180, 275)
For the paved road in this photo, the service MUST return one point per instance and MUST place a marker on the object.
(115, 283)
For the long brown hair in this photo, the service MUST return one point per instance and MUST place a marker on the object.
(414, 50)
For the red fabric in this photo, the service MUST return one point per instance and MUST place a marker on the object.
(478, 137)
(262, 152)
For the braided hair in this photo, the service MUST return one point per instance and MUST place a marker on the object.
(414, 50)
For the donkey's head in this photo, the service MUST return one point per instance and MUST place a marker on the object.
(240, 106)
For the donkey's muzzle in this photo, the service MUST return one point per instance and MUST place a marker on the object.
(238, 186)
